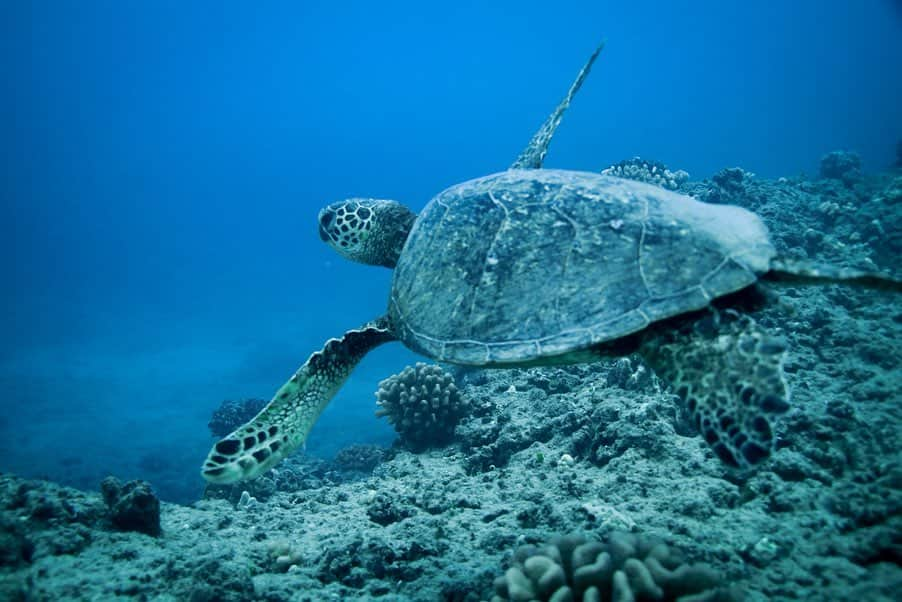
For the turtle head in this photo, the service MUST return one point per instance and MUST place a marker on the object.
(370, 231)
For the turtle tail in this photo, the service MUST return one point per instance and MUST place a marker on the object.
(282, 426)
(783, 269)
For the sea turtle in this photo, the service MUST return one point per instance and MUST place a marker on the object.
(535, 267)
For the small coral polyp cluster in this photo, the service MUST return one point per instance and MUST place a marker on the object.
(650, 172)
(422, 403)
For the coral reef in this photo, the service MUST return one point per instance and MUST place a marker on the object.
(631, 375)
(232, 414)
(41, 522)
(651, 172)
(624, 567)
(589, 449)
(841, 165)
(385, 509)
(857, 225)
(359, 458)
(723, 186)
(423, 404)
(15, 546)
(297, 473)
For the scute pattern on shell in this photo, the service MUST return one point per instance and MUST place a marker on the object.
(423, 405)
(529, 265)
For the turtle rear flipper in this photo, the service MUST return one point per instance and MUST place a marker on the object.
(729, 373)
(784, 269)
(282, 426)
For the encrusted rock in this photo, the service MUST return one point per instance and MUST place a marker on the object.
(841, 165)
(384, 509)
(360, 458)
(16, 548)
(133, 506)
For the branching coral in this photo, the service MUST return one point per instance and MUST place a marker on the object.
(650, 172)
(423, 404)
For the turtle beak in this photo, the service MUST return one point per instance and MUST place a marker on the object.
(326, 217)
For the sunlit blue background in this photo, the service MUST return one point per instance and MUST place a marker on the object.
(163, 163)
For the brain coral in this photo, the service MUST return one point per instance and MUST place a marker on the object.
(423, 404)
(625, 567)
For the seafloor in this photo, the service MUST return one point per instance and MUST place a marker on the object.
(587, 449)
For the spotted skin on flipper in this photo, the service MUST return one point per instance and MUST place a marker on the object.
(283, 425)
(729, 373)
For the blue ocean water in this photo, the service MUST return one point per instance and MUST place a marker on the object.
(164, 164)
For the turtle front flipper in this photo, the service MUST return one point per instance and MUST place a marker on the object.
(729, 373)
(533, 155)
(284, 423)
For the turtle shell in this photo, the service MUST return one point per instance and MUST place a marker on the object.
(528, 265)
